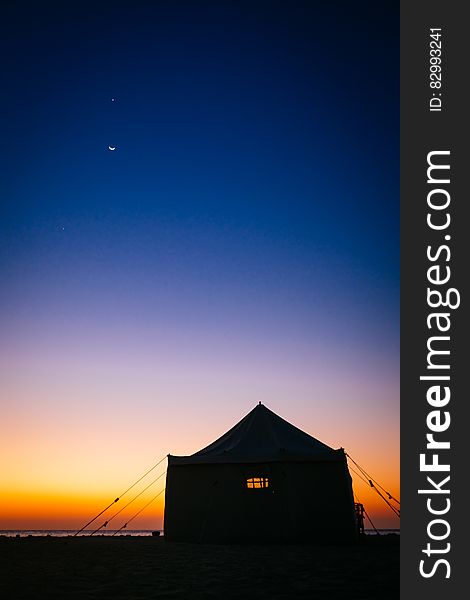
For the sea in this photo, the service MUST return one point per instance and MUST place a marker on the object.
(127, 533)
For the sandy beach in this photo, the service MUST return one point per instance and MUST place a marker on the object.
(148, 567)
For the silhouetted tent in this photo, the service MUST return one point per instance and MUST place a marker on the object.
(264, 481)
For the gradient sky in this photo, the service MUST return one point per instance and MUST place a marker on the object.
(241, 244)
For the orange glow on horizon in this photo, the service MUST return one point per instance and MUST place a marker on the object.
(61, 478)
(56, 509)
(59, 511)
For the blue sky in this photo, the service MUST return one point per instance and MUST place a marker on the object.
(247, 223)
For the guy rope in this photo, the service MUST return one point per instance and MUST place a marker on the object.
(356, 499)
(123, 494)
(128, 504)
(371, 482)
(139, 511)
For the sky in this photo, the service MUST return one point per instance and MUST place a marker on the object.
(240, 244)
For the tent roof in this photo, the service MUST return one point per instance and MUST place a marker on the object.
(262, 436)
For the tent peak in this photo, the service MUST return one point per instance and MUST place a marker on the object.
(263, 436)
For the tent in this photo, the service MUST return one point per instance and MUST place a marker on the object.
(264, 481)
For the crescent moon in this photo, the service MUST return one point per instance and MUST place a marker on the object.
(112, 148)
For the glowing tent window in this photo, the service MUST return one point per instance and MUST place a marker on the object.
(256, 483)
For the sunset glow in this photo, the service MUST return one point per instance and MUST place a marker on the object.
(240, 245)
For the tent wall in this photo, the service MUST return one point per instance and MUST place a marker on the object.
(304, 502)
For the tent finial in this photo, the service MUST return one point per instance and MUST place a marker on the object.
(259, 403)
